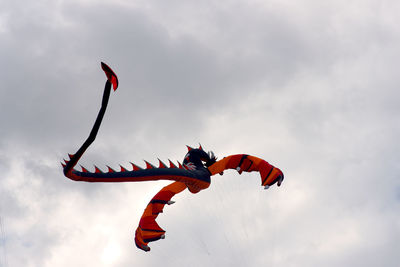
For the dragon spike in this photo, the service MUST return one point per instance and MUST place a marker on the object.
(70, 155)
(136, 167)
(110, 169)
(122, 168)
(83, 169)
(66, 161)
(63, 165)
(200, 147)
(189, 148)
(162, 165)
(97, 170)
(180, 165)
(149, 165)
(171, 164)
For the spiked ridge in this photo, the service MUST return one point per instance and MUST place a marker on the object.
(110, 169)
(123, 169)
(161, 164)
(180, 165)
(136, 167)
(149, 165)
(83, 169)
(97, 170)
(171, 164)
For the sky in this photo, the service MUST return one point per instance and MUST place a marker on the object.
(310, 86)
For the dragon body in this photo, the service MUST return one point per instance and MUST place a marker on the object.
(194, 173)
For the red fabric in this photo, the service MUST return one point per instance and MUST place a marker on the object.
(111, 76)
(148, 229)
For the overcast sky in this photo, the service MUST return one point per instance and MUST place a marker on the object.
(310, 86)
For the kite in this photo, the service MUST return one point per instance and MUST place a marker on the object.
(194, 173)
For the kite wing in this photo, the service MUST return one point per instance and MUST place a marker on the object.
(148, 229)
(246, 163)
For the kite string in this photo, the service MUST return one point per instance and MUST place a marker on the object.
(227, 190)
(274, 208)
(3, 260)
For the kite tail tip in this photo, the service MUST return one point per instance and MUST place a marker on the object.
(111, 76)
(141, 245)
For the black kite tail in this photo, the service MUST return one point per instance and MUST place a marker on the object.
(111, 79)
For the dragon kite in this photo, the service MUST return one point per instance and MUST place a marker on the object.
(193, 173)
